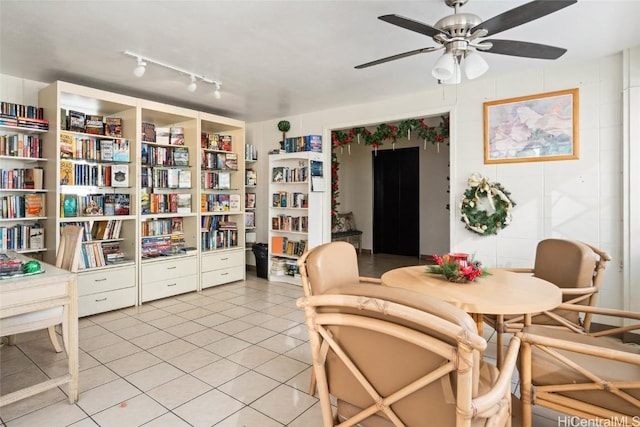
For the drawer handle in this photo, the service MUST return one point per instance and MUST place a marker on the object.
(224, 274)
(171, 268)
(173, 284)
(101, 299)
(104, 279)
(223, 259)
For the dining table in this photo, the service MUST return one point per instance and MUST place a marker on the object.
(500, 292)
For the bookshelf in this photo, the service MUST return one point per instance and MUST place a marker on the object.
(295, 211)
(168, 140)
(22, 197)
(91, 178)
(251, 195)
(222, 200)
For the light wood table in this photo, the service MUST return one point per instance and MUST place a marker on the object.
(53, 288)
(502, 293)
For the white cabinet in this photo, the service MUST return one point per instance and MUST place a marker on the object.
(162, 278)
(223, 267)
(106, 289)
(296, 211)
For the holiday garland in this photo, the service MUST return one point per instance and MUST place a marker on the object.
(480, 221)
(384, 132)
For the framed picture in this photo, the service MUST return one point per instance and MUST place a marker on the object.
(532, 128)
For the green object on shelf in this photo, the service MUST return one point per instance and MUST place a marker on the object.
(31, 266)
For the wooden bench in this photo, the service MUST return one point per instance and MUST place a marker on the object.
(352, 236)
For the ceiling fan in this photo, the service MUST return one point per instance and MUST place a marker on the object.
(459, 35)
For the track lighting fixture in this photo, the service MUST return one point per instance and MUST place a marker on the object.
(194, 78)
(140, 68)
(191, 87)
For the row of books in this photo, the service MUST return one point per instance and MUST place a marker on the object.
(165, 178)
(250, 177)
(99, 230)
(219, 161)
(93, 175)
(250, 152)
(24, 122)
(23, 206)
(77, 121)
(164, 156)
(18, 145)
(160, 227)
(284, 199)
(21, 110)
(285, 246)
(100, 254)
(215, 180)
(303, 143)
(219, 239)
(155, 246)
(214, 141)
(73, 205)
(24, 179)
(165, 203)
(94, 149)
(213, 222)
(219, 202)
(21, 237)
(290, 223)
(173, 135)
(284, 267)
(287, 174)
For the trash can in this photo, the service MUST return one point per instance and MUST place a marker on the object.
(261, 251)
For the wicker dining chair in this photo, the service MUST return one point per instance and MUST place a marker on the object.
(593, 376)
(577, 268)
(393, 357)
(67, 258)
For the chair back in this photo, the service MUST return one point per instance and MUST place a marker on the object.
(328, 265)
(68, 256)
(388, 363)
(571, 264)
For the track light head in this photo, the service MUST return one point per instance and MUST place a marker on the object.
(216, 93)
(140, 68)
(191, 87)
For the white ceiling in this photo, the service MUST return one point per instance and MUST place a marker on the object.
(274, 58)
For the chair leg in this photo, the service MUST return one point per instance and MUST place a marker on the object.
(53, 337)
(312, 383)
(11, 340)
(499, 340)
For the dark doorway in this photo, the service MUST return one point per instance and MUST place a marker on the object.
(396, 201)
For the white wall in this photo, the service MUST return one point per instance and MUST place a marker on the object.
(576, 199)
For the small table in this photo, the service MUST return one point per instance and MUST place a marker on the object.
(502, 293)
(55, 287)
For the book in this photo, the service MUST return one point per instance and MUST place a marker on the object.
(184, 180)
(67, 145)
(313, 143)
(145, 203)
(94, 124)
(69, 208)
(148, 132)
(184, 203)
(250, 200)
(76, 121)
(250, 177)
(34, 205)
(277, 243)
(122, 203)
(223, 202)
(225, 142)
(231, 161)
(214, 141)
(224, 180)
(36, 237)
(251, 237)
(109, 204)
(177, 135)
(234, 202)
(176, 225)
(173, 178)
(121, 150)
(180, 156)
(106, 150)
(66, 172)
(277, 174)
(120, 175)
(33, 178)
(163, 135)
(250, 219)
(113, 127)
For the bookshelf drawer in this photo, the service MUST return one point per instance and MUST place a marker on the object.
(106, 280)
(169, 269)
(216, 261)
(166, 288)
(223, 275)
(106, 301)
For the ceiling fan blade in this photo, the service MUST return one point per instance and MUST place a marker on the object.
(524, 49)
(398, 56)
(412, 25)
(522, 14)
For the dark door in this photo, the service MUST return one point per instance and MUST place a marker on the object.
(396, 206)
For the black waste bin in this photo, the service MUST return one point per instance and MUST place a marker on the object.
(261, 252)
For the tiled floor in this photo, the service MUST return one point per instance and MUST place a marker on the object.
(234, 355)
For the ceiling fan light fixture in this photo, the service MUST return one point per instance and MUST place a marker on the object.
(444, 67)
(192, 86)
(474, 65)
(140, 68)
(456, 76)
(216, 93)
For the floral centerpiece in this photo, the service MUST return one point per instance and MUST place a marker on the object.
(458, 268)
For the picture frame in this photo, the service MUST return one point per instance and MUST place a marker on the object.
(532, 128)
